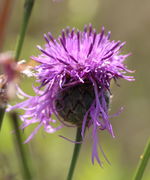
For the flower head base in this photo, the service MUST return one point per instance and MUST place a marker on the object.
(75, 73)
(73, 103)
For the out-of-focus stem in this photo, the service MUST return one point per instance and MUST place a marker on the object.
(28, 5)
(75, 154)
(4, 17)
(2, 112)
(143, 162)
(25, 168)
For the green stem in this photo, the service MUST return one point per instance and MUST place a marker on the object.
(143, 162)
(26, 171)
(2, 112)
(28, 5)
(75, 154)
(23, 156)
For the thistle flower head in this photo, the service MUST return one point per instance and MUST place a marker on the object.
(74, 73)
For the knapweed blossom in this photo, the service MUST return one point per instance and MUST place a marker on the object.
(74, 73)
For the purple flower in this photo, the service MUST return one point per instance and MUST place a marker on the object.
(74, 73)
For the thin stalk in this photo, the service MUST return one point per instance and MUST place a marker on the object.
(23, 156)
(28, 5)
(4, 18)
(26, 168)
(143, 162)
(75, 154)
(26, 171)
(2, 112)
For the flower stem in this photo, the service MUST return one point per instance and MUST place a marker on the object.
(26, 171)
(143, 162)
(75, 154)
(2, 112)
(28, 5)
(4, 18)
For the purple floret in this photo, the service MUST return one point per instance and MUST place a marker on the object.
(75, 57)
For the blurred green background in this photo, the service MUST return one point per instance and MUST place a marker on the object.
(50, 155)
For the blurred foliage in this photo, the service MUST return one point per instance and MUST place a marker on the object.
(51, 155)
